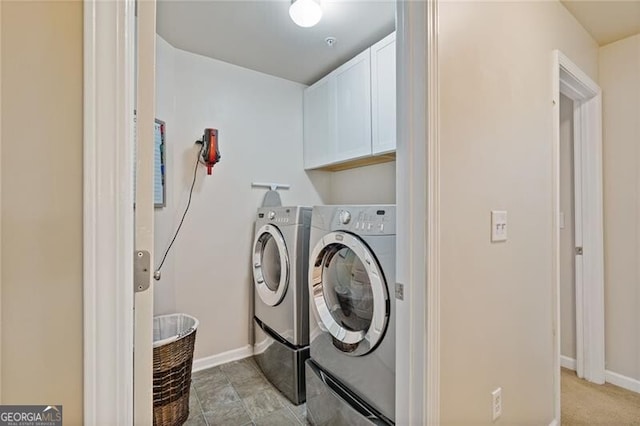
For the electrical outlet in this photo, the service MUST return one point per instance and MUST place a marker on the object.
(496, 403)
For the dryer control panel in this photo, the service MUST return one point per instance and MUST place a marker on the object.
(373, 220)
(284, 215)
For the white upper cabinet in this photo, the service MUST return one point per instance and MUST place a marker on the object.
(383, 95)
(319, 123)
(350, 114)
(353, 103)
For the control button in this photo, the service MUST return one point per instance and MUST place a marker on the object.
(381, 227)
(345, 217)
(369, 227)
(271, 215)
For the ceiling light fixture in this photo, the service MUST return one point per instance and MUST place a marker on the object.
(305, 13)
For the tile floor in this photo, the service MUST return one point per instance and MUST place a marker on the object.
(238, 394)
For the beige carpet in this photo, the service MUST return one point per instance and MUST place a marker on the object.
(585, 403)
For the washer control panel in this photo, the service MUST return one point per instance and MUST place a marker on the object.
(366, 221)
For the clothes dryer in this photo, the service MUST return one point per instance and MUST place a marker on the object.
(281, 305)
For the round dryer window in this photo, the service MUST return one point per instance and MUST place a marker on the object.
(270, 265)
(349, 293)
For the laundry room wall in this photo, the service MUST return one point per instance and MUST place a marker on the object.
(374, 184)
(496, 118)
(619, 80)
(259, 118)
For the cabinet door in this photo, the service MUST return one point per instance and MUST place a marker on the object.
(353, 108)
(383, 95)
(319, 123)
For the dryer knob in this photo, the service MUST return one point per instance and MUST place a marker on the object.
(271, 215)
(345, 217)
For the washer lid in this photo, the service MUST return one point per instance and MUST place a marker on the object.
(270, 265)
(349, 292)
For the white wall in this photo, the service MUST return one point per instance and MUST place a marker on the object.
(374, 184)
(42, 205)
(496, 153)
(259, 117)
(567, 233)
(620, 82)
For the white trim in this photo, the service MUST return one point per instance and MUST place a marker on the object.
(222, 358)
(569, 363)
(107, 215)
(622, 381)
(417, 177)
(433, 216)
(569, 80)
(145, 55)
(555, 232)
(554, 422)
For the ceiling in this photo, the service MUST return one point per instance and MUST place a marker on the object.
(260, 35)
(607, 20)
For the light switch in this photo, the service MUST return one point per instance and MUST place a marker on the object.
(498, 225)
(561, 220)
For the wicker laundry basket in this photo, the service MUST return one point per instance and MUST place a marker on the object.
(173, 339)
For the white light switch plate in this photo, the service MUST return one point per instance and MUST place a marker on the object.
(498, 225)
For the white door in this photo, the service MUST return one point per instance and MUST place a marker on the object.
(143, 300)
(353, 108)
(570, 232)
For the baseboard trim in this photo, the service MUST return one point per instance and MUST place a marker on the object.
(554, 422)
(223, 358)
(567, 362)
(624, 382)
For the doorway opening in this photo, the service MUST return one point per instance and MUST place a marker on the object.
(575, 91)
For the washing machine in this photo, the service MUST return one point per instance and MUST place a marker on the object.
(350, 377)
(281, 297)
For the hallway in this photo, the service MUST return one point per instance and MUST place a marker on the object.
(585, 403)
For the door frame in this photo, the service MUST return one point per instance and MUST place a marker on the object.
(108, 217)
(418, 214)
(109, 89)
(572, 82)
(144, 57)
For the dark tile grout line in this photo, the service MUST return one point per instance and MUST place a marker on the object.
(193, 388)
(241, 399)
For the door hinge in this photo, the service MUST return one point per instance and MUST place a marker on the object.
(141, 271)
(578, 251)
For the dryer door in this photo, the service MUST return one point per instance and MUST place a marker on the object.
(349, 292)
(270, 265)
